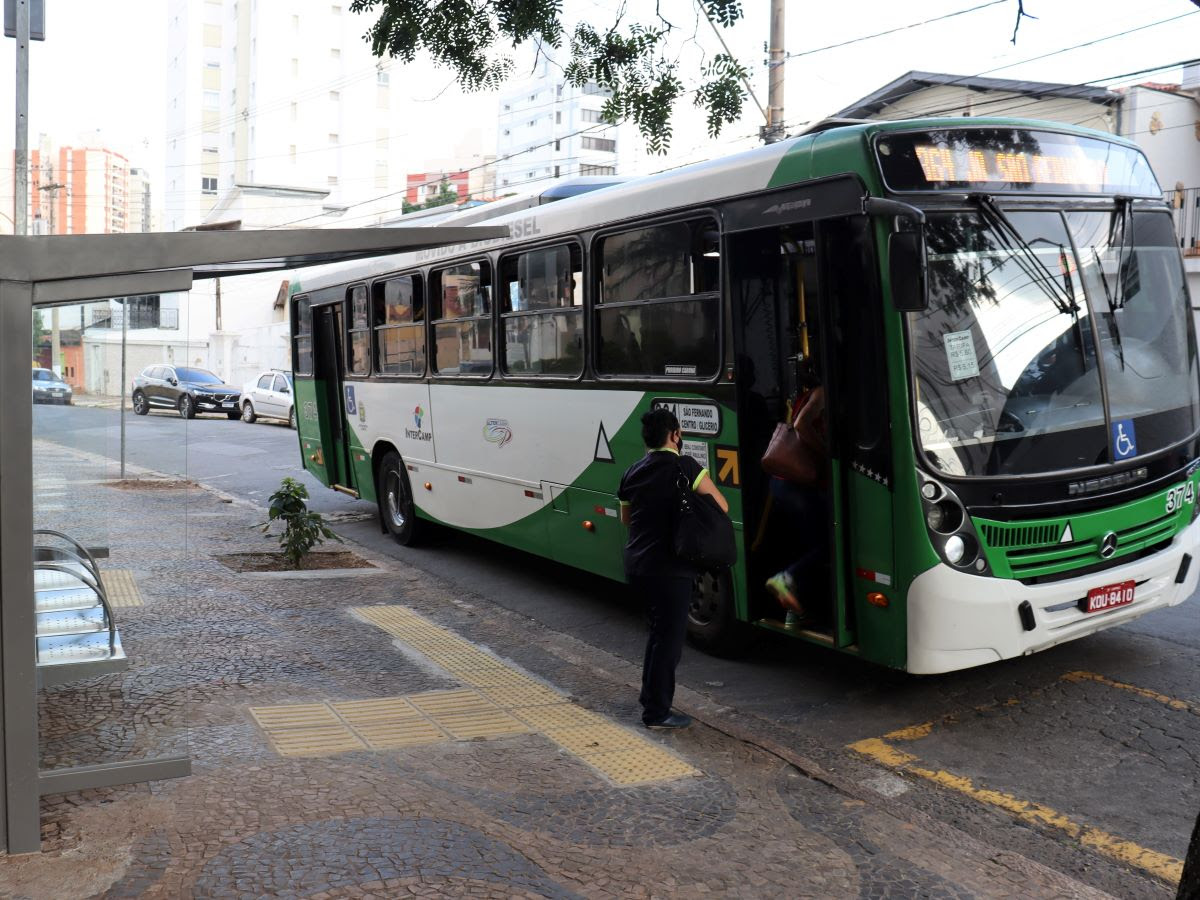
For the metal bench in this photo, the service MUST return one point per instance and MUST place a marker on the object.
(76, 633)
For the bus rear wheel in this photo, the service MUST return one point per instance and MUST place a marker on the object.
(396, 507)
(712, 624)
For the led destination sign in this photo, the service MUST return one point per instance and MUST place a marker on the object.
(1006, 159)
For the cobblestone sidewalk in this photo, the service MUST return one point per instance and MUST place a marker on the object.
(512, 802)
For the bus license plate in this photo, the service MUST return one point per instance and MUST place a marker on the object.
(1110, 596)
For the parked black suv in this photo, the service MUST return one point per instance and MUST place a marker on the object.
(185, 388)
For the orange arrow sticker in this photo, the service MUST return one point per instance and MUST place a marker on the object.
(727, 467)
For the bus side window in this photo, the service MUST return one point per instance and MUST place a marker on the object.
(542, 313)
(461, 300)
(358, 333)
(398, 315)
(302, 328)
(659, 305)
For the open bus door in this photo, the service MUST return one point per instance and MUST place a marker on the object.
(324, 441)
(805, 308)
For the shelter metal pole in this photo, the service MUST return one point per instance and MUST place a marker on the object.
(21, 157)
(124, 338)
(18, 673)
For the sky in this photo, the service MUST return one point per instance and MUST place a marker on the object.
(100, 71)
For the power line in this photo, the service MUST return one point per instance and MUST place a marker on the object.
(868, 37)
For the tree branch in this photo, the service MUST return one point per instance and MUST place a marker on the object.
(1021, 14)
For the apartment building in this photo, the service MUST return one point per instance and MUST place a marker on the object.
(78, 190)
(284, 96)
(549, 129)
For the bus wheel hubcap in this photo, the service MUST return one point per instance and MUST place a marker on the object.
(395, 506)
(706, 600)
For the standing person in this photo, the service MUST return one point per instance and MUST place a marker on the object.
(648, 498)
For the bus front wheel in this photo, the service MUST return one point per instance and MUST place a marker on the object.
(713, 624)
(396, 506)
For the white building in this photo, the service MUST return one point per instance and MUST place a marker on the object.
(548, 130)
(273, 94)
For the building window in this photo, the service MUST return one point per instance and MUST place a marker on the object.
(558, 117)
(212, 99)
(541, 313)
(590, 115)
(335, 53)
(295, 111)
(659, 302)
(208, 185)
(531, 122)
(333, 140)
(383, 79)
(585, 169)
(560, 90)
(592, 88)
(556, 171)
(295, 68)
(292, 152)
(381, 174)
(335, 96)
(335, 10)
(608, 145)
(507, 107)
(358, 337)
(462, 320)
(532, 97)
(557, 145)
(295, 23)
(332, 181)
(399, 317)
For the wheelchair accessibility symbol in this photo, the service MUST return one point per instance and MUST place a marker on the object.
(1124, 439)
(351, 406)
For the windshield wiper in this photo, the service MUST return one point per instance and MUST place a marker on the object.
(1125, 208)
(1112, 307)
(1024, 255)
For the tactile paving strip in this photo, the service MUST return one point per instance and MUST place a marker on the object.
(503, 700)
(305, 729)
(120, 587)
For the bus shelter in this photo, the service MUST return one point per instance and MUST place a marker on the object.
(42, 272)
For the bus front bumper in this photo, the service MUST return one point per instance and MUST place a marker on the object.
(956, 620)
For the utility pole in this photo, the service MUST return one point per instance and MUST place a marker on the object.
(21, 200)
(52, 190)
(774, 131)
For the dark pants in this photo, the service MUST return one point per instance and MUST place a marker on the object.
(667, 599)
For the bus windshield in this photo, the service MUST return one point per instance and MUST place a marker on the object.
(1040, 323)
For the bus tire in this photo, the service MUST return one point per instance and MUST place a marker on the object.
(396, 507)
(713, 624)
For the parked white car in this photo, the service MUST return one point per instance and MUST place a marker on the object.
(269, 397)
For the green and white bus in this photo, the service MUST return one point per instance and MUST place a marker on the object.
(996, 310)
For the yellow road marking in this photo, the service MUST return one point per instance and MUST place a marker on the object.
(1172, 702)
(1163, 866)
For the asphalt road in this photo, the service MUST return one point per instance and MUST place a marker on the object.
(1103, 734)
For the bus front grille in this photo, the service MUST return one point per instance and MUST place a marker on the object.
(1050, 558)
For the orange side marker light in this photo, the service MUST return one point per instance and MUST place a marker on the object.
(877, 599)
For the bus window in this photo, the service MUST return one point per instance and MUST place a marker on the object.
(359, 333)
(399, 317)
(542, 312)
(302, 358)
(462, 320)
(659, 306)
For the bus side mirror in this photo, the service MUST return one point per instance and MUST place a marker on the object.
(906, 270)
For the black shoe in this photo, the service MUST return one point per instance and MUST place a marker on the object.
(672, 720)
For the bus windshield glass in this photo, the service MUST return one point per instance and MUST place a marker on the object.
(1012, 159)
(1032, 329)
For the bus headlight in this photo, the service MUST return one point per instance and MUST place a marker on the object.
(955, 549)
(950, 529)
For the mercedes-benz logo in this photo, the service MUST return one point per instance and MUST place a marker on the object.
(1108, 545)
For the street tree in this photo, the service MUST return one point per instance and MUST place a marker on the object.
(630, 59)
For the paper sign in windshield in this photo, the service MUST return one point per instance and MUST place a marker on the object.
(960, 355)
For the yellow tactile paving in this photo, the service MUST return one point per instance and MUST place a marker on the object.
(437, 703)
(406, 733)
(594, 739)
(120, 587)
(500, 700)
(639, 766)
(368, 712)
(480, 723)
(297, 715)
(548, 719)
(517, 695)
(315, 741)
